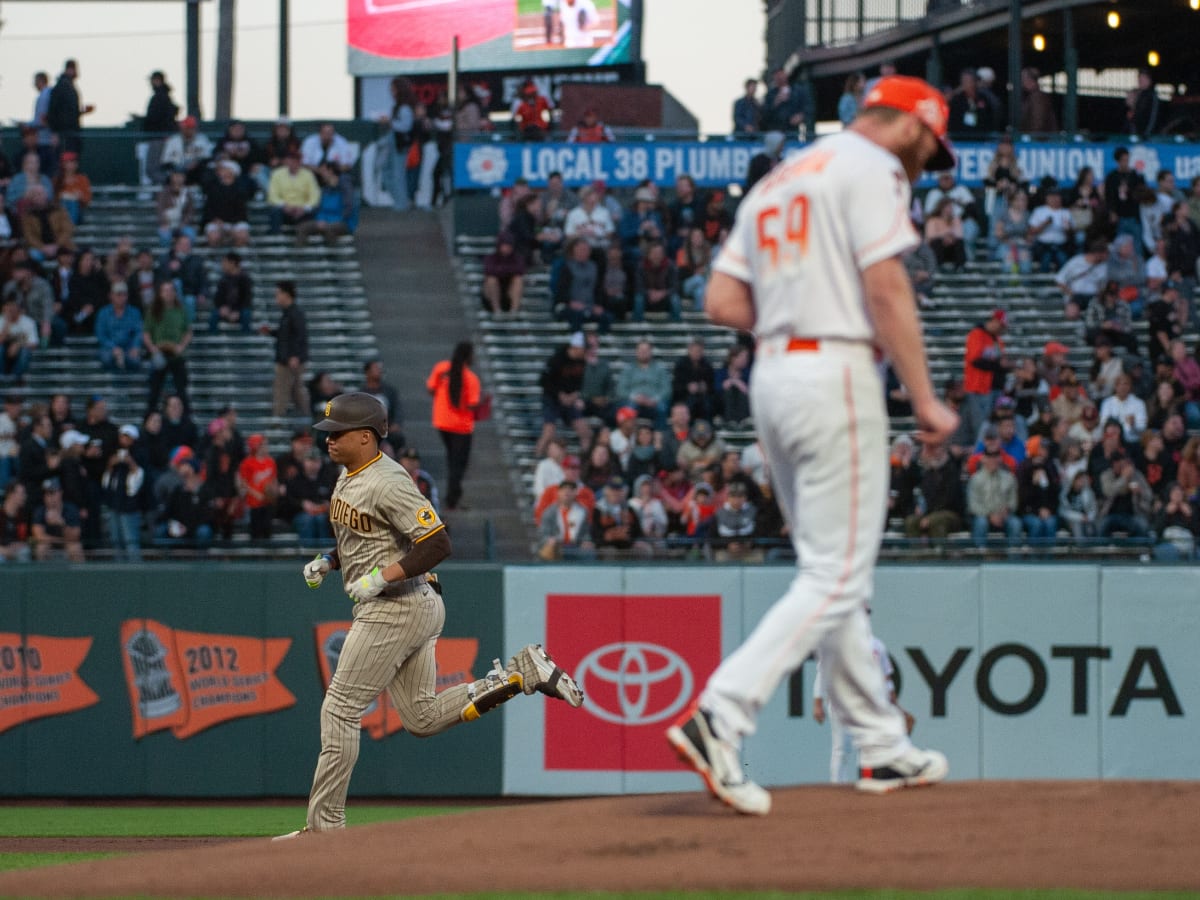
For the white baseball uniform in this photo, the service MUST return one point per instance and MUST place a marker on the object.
(842, 759)
(578, 17)
(801, 240)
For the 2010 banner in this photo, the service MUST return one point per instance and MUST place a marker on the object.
(39, 677)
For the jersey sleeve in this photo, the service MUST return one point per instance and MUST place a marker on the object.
(407, 509)
(878, 201)
(735, 255)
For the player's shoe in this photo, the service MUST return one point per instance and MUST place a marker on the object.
(914, 768)
(718, 762)
(291, 835)
(496, 687)
(541, 673)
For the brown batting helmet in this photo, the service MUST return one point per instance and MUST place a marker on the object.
(346, 412)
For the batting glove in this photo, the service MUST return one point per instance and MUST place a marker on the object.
(368, 587)
(316, 570)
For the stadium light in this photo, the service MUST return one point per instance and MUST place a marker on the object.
(1114, 19)
(1194, 4)
(1152, 58)
(1039, 42)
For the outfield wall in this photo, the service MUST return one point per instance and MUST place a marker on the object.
(187, 680)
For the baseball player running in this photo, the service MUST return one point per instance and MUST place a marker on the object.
(388, 540)
(813, 265)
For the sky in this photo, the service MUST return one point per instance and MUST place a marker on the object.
(118, 44)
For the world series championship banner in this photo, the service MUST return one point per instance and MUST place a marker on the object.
(188, 681)
(39, 677)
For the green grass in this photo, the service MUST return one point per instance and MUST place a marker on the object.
(184, 821)
(34, 860)
(534, 7)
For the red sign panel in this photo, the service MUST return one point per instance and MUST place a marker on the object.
(640, 661)
(39, 677)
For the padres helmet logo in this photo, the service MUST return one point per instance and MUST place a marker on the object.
(328, 408)
(426, 517)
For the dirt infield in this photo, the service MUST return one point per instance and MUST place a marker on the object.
(1094, 835)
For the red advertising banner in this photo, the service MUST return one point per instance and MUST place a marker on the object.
(455, 658)
(640, 661)
(189, 681)
(39, 677)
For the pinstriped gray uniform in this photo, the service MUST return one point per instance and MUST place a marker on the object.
(378, 515)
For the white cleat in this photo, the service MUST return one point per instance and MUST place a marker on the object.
(292, 835)
(915, 768)
(718, 762)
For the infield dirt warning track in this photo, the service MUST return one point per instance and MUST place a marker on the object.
(1092, 835)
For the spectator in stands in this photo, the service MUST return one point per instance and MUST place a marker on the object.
(161, 110)
(142, 282)
(600, 466)
(375, 385)
(1003, 178)
(1126, 268)
(56, 525)
(903, 478)
(733, 386)
(549, 470)
(291, 353)
(1168, 319)
(1150, 217)
(1037, 109)
(715, 221)
(18, 340)
(684, 211)
(30, 176)
(641, 227)
(657, 289)
(14, 524)
(306, 498)
(182, 266)
(971, 111)
(990, 438)
(590, 130)
(1011, 232)
(529, 238)
(648, 506)
(1125, 407)
(38, 457)
(531, 113)
(1183, 246)
(747, 111)
(167, 334)
(282, 141)
(293, 193)
(1078, 506)
(1177, 526)
(1122, 187)
(1127, 501)
(45, 226)
(693, 263)
(411, 460)
(1072, 401)
(1106, 369)
(330, 151)
(258, 484)
(693, 381)
(851, 99)
(11, 422)
(1111, 317)
(645, 384)
(615, 287)
(598, 386)
(565, 530)
(119, 264)
(456, 395)
(783, 106)
(1086, 205)
(561, 382)
(189, 515)
(178, 427)
(736, 527)
(1026, 386)
(226, 206)
(699, 509)
(72, 188)
(290, 463)
(701, 450)
(332, 218)
(591, 221)
(605, 197)
(10, 228)
(985, 367)
(119, 332)
(188, 151)
(38, 130)
(1187, 374)
(233, 298)
(503, 288)
(1156, 270)
(577, 299)
(1103, 451)
(964, 206)
(557, 201)
(944, 235)
(402, 122)
(1152, 460)
(237, 145)
(34, 298)
(1166, 401)
(1084, 275)
(1038, 490)
(940, 481)
(992, 500)
(1145, 117)
(616, 527)
(122, 483)
(1051, 227)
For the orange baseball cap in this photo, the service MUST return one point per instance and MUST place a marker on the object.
(923, 100)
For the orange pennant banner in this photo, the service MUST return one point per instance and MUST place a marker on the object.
(455, 657)
(189, 681)
(39, 677)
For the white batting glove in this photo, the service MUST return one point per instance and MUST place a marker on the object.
(368, 587)
(316, 570)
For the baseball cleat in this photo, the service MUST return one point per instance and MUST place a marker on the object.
(542, 674)
(718, 762)
(293, 834)
(915, 768)
(496, 687)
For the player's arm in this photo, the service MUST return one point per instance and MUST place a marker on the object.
(422, 558)
(728, 301)
(893, 309)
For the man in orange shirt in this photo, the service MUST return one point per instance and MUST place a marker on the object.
(584, 496)
(456, 396)
(258, 481)
(984, 369)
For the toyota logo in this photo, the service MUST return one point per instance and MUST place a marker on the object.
(636, 670)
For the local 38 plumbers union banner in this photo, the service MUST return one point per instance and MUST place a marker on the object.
(718, 163)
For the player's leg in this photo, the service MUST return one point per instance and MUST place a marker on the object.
(842, 748)
(366, 665)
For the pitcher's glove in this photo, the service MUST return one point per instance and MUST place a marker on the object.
(316, 570)
(368, 587)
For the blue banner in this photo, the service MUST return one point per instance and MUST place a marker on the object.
(713, 164)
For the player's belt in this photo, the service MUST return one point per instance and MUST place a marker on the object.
(803, 345)
(399, 588)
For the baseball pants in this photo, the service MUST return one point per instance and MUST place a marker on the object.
(821, 420)
(390, 646)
